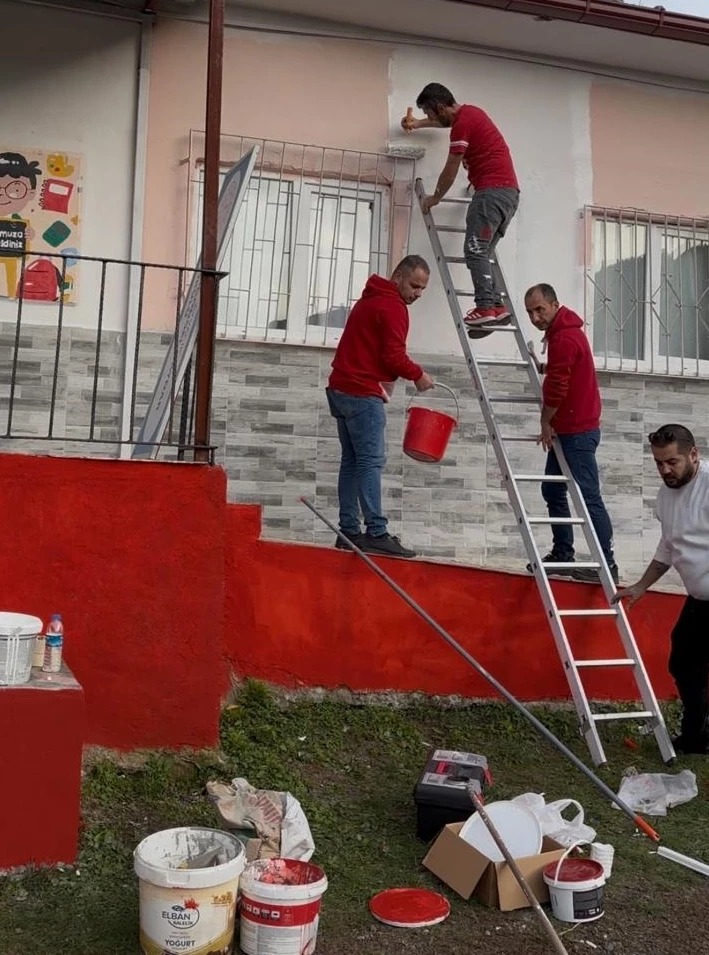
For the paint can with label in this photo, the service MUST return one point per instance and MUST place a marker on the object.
(280, 907)
(189, 881)
(576, 889)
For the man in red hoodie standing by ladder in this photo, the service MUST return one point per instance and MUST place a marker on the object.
(370, 356)
(571, 412)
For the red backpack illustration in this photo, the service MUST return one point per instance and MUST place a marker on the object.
(40, 282)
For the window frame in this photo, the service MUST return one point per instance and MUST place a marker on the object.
(305, 191)
(658, 230)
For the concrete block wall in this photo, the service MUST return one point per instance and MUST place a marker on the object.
(277, 441)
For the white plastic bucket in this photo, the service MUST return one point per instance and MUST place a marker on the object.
(575, 888)
(18, 634)
(600, 852)
(187, 910)
(281, 917)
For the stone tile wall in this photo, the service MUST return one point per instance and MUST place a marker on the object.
(277, 441)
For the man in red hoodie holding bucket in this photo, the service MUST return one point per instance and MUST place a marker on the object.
(370, 356)
(571, 412)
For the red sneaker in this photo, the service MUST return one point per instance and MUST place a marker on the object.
(486, 316)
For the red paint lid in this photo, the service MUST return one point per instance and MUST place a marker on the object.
(409, 908)
(574, 870)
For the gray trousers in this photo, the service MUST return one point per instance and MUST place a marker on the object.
(489, 214)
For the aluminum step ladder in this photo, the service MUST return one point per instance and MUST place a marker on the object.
(650, 713)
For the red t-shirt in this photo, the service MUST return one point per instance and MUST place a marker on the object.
(485, 153)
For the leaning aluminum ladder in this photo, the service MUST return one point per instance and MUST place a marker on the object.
(632, 660)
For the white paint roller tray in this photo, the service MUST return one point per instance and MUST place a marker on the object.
(518, 828)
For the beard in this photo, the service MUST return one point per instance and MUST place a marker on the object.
(677, 481)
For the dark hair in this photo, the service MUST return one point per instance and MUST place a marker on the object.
(16, 166)
(434, 95)
(547, 292)
(410, 264)
(672, 434)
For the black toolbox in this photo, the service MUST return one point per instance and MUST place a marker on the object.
(440, 794)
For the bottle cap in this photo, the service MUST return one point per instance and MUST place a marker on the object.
(56, 616)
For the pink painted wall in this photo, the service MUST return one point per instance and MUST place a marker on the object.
(650, 149)
(328, 93)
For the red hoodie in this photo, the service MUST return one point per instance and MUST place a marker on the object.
(570, 376)
(373, 345)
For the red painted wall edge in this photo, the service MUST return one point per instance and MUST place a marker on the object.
(307, 616)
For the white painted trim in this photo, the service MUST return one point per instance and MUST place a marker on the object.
(271, 22)
(137, 223)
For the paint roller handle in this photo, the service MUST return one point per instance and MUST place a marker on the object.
(439, 384)
(645, 827)
(408, 123)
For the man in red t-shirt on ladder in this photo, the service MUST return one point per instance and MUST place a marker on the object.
(479, 145)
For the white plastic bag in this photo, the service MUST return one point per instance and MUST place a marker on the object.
(654, 793)
(566, 832)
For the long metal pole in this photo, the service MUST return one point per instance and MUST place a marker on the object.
(644, 827)
(209, 281)
(516, 872)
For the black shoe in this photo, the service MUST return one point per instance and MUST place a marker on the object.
(591, 575)
(357, 539)
(556, 572)
(386, 545)
(690, 747)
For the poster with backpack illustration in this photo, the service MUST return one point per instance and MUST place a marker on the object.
(40, 220)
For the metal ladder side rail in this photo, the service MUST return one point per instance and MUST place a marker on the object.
(578, 693)
(588, 719)
(625, 632)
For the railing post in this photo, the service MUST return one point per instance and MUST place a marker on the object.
(209, 280)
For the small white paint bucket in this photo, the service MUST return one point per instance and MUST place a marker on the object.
(600, 852)
(575, 888)
(182, 909)
(280, 907)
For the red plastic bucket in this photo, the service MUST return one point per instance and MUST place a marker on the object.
(428, 432)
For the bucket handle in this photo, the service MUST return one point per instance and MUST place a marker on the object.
(574, 845)
(439, 384)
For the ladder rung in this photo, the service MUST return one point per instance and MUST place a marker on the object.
(493, 328)
(573, 521)
(455, 259)
(514, 399)
(519, 437)
(457, 201)
(554, 478)
(605, 663)
(462, 293)
(590, 612)
(632, 715)
(504, 362)
(564, 564)
(450, 228)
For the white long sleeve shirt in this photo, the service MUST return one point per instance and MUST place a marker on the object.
(683, 514)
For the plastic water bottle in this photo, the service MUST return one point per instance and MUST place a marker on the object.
(54, 642)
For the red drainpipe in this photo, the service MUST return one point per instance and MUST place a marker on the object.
(612, 16)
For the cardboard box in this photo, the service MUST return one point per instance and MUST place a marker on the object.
(466, 871)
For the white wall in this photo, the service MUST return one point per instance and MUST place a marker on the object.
(543, 113)
(69, 83)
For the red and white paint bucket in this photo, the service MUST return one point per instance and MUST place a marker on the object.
(280, 907)
(575, 889)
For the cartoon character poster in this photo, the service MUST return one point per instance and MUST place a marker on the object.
(39, 225)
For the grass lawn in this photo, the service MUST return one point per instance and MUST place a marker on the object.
(354, 768)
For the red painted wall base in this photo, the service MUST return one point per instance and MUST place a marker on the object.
(309, 616)
(40, 768)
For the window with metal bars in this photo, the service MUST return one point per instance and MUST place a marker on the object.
(647, 292)
(300, 254)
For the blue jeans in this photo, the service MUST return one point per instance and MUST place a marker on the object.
(360, 428)
(580, 453)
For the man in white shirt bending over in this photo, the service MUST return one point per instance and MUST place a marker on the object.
(682, 509)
